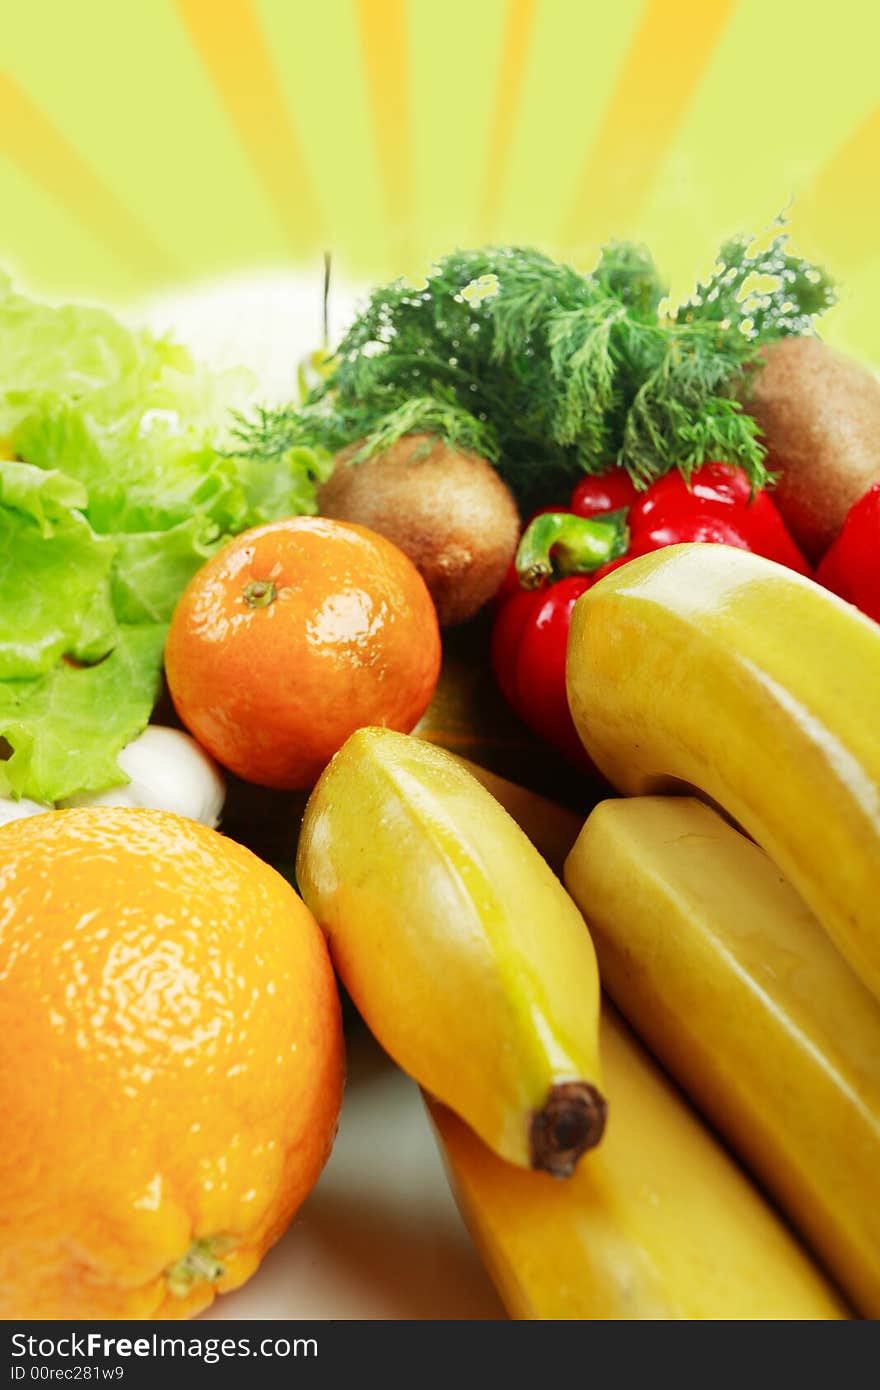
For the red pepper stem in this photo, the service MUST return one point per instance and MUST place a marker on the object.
(557, 544)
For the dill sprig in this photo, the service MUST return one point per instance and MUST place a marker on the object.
(551, 373)
(766, 293)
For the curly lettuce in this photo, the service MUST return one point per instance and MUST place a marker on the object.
(115, 488)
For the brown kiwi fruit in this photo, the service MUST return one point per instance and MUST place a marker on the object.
(449, 511)
(820, 416)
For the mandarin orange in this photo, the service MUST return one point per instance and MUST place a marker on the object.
(293, 636)
(172, 1063)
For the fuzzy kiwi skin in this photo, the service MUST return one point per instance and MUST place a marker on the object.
(819, 412)
(448, 511)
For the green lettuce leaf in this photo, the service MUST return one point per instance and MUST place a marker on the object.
(44, 497)
(285, 485)
(52, 570)
(66, 728)
(154, 567)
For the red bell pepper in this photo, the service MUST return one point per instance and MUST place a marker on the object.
(722, 493)
(851, 566)
(530, 635)
(562, 554)
(605, 492)
(529, 642)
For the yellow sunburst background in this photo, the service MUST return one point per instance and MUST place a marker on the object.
(154, 143)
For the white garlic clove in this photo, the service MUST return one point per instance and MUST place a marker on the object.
(169, 771)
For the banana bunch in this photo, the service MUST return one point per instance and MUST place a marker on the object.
(702, 667)
(474, 970)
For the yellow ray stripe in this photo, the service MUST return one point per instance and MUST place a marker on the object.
(670, 49)
(30, 141)
(841, 208)
(383, 32)
(518, 29)
(230, 43)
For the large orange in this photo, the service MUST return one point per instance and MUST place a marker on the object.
(293, 636)
(171, 1067)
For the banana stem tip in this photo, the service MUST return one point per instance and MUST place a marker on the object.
(571, 1121)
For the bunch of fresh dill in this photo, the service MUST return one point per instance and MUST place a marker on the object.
(550, 373)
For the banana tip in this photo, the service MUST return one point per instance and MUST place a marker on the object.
(571, 1120)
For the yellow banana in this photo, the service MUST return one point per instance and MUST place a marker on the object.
(730, 980)
(658, 1222)
(463, 952)
(709, 667)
